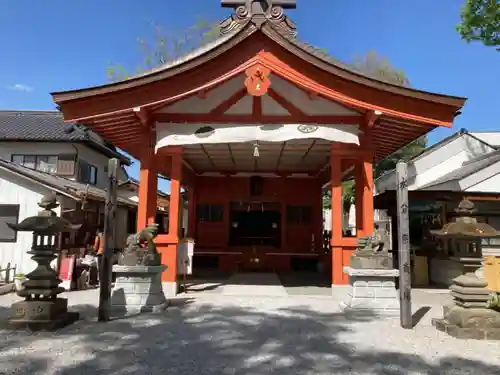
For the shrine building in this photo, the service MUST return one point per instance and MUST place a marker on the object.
(254, 126)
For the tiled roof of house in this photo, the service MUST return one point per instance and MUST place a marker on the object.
(62, 185)
(49, 126)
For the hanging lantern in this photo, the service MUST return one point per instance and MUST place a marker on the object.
(256, 153)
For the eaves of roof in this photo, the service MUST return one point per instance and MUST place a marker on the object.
(49, 126)
(72, 189)
(239, 34)
(435, 147)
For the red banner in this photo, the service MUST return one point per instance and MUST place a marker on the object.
(66, 268)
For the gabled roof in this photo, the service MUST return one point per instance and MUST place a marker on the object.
(236, 36)
(64, 186)
(264, 40)
(49, 126)
(468, 169)
(390, 175)
(134, 182)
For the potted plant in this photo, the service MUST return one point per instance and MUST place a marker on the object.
(19, 279)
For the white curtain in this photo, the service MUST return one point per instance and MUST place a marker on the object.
(174, 134)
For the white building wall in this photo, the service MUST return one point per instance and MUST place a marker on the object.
(492, 138)
(133, 196)
(83, 152)
(436, 164)
(481, 182)
(17, 190)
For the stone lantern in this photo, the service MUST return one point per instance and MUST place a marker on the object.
(42, 308)
(469, 317)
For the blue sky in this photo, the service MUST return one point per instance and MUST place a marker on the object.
(58, 44)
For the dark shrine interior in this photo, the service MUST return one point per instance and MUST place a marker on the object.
(255, 228)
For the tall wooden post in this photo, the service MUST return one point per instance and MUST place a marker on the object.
(109, 242)
(403, 208)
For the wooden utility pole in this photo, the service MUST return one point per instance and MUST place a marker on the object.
(403, 209)
(109, 242)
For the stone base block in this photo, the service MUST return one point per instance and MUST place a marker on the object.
(373, 291)
(7, 288)
(472, 317)
(138, 289)
(466, 333)
(42, 315)
(170, 289)
(469, 323)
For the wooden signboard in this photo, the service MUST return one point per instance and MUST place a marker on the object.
(404, 245)
(492, 273)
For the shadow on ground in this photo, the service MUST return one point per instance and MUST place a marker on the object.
(209, 338)
(312, 283)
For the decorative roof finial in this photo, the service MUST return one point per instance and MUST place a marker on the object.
(259, 12)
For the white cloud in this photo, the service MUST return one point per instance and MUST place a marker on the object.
(20, 87)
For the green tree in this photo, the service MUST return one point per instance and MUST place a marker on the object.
(480, 21)
(165, 47)
(379, 67)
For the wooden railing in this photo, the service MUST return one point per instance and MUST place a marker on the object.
(10, 273)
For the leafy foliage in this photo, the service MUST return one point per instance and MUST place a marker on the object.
(379, 67)
(481, 22)
(166, 47)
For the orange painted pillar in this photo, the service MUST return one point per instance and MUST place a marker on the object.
(167, 245)
(364, 193)
(148, 190)
(336, 203)
(175, 195)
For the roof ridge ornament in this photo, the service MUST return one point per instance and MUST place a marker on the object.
(259, 12)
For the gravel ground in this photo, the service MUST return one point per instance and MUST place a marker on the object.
(217, 334)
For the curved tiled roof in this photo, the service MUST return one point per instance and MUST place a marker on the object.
(49, 126)
(275, 33)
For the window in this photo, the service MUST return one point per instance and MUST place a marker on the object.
(298, 214)
(210, 212)
(9, 213)
(494, 221)
(44, 163)
(88, 173)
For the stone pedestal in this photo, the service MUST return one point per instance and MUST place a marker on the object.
(138, 289)
(373, 291)
(469, 317)
(42, 314)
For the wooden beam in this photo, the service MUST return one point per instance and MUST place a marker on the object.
(257, 106)
(308, 150)
(280, 155)
(290, 107)
(117, 124)
(228, 103)
(262, 171)
(371, 118)
(231, 154)
(107, 119)
(123, 132)
(142, 115)
(251, 119)
(208, 156)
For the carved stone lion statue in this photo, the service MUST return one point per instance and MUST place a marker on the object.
(370, 245)
(140, 249)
